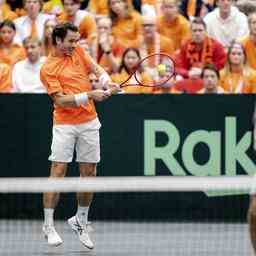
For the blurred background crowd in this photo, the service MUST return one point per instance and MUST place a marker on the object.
(212, 42)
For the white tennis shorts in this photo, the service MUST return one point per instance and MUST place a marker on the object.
(83, 138)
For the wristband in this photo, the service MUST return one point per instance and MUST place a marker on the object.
(81, 99)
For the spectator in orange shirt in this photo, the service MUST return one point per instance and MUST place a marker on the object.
(129, 62)
(5, 78)
(173, 25)
(76, 126)
(249, 42)
(106, 50)
(237, 76)
(153, 42)
(10, 52)
(211, 76)
(80, 18)
(47, 36)
(199, 51)
(126, 23)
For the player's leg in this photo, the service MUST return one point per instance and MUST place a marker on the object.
(88, 155)
(252, 221)
(84, 199)
(50, 201)
(62, 150)
(79, 222)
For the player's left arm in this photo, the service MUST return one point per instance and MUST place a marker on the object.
(104, 78)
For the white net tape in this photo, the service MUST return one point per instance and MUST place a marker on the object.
(128, 184)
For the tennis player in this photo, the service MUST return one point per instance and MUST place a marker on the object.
(76, 126)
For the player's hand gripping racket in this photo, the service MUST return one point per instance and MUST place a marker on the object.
(158, 67)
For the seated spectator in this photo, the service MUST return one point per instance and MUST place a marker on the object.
(196, 8)
(106, 50)
(237, 77)
(31, 24)
(226, 23)
(210, 76)
(6, 13)
(173, 25)
(80, 18)
(47, 36)
(10, 52)
(26, 73)
(153, 42)
(126, 23)
(94, 81)
(129, 61)
(199, 51)
(5, 78)
(249, 42)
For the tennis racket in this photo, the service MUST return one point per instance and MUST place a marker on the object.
(159, 68)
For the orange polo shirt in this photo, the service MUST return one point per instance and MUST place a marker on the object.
(12, 55)
(178, 30)
(5, 78)
(68, 75)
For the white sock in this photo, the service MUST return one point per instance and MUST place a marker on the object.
(48, 217)
(82, 213)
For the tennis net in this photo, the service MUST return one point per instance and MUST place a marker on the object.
(141, 216)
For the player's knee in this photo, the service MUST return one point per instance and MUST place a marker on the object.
(88, 170)
(58, 169)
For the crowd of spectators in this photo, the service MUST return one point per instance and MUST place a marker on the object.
(212, 42)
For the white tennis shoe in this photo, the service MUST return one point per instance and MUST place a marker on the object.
(52, 236)
(81, 231)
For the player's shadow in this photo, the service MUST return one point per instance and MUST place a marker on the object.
(70, 253)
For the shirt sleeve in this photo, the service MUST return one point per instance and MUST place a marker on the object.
(50, 80)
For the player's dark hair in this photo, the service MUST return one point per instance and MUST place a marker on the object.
(60, 31)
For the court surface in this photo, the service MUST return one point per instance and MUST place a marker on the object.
(24, 238)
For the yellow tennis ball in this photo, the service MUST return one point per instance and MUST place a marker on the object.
(161, 68)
